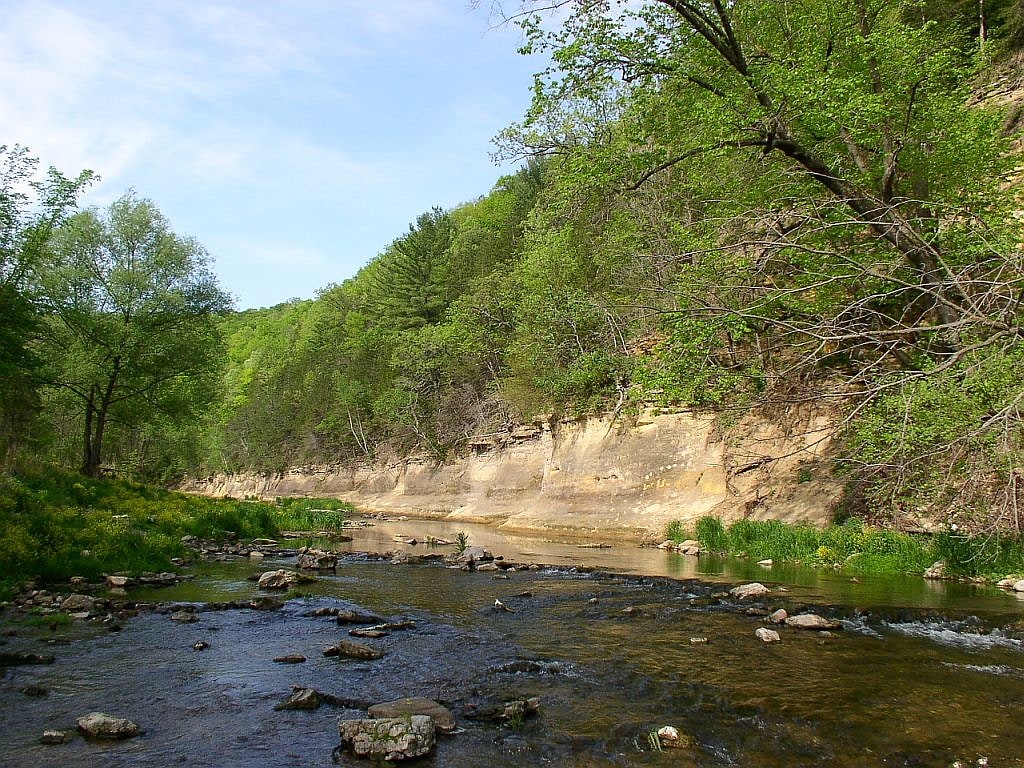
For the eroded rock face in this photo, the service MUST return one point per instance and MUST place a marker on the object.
(395, 738)
(634, 478)
(98, 725)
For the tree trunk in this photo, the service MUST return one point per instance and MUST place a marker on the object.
(96, 422)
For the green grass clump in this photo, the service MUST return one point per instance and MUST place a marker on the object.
(859, 548)
(54, 525)
(311, 514)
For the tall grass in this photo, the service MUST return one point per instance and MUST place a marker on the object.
(857, 547)
(54, 524)
(305, 514)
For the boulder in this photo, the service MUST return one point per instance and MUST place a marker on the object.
(301, 698)
(317, 560)
(279, 579)
(443, 719)
(689, 547)
(766, 635)
(400, 738)
(97, 725)
(118, 582)
(76, 603)
(185, 617)
(352, 650)
(779, 616)
(755, 589)
(812, 621)
(1018, 586)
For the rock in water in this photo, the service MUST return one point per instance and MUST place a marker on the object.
(398, 738)
(97, 725)
(443, 719)
(670, 737)
(279, 579)
(766, 635)
(742, 592)
(812, 621)
(302, 698)
(317, 560)
(55, 737)
(353, 650)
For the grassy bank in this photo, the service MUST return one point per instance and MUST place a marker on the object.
(857, 547)
(54, 525)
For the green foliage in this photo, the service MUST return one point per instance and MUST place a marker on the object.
(676, 531)
(857, 547)
(131, 336)
(712, 534)
(461, 542)
(55, 525)
(309, 514)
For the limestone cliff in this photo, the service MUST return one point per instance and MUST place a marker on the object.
(624, 477)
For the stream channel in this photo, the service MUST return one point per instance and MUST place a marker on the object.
(609, 640)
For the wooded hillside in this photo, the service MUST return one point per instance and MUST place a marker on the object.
(720, 206)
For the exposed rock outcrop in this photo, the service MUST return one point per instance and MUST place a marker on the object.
(598, 474)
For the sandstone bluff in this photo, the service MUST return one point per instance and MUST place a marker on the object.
(627, 477)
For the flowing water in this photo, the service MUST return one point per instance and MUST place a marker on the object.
(923, 674)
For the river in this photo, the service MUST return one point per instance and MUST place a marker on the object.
(922, 674)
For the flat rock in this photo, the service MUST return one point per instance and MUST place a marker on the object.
(353, 650)
(55, 737)
(389, 739)
(755, 589)
(185, 617)
(97, 725)
(345, 616)
(443, 719)
(812, 621)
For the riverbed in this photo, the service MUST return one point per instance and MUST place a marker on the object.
(613, 642)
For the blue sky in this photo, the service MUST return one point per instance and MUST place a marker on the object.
(294, 139)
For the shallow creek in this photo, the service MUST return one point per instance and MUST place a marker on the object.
(922, 673)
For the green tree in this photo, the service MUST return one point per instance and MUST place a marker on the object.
(411, 279)
(30, 209)
(132, 329)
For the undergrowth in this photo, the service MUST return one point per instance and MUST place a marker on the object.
(55, 524)
(857, 547)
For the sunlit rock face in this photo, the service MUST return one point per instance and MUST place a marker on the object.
(631, 476)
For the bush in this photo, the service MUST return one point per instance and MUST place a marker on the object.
(711, 534)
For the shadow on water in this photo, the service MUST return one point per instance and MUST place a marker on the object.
(918, 676)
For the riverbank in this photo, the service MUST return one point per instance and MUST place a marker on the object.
(625, 478)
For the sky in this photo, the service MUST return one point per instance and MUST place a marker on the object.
(294, 139)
